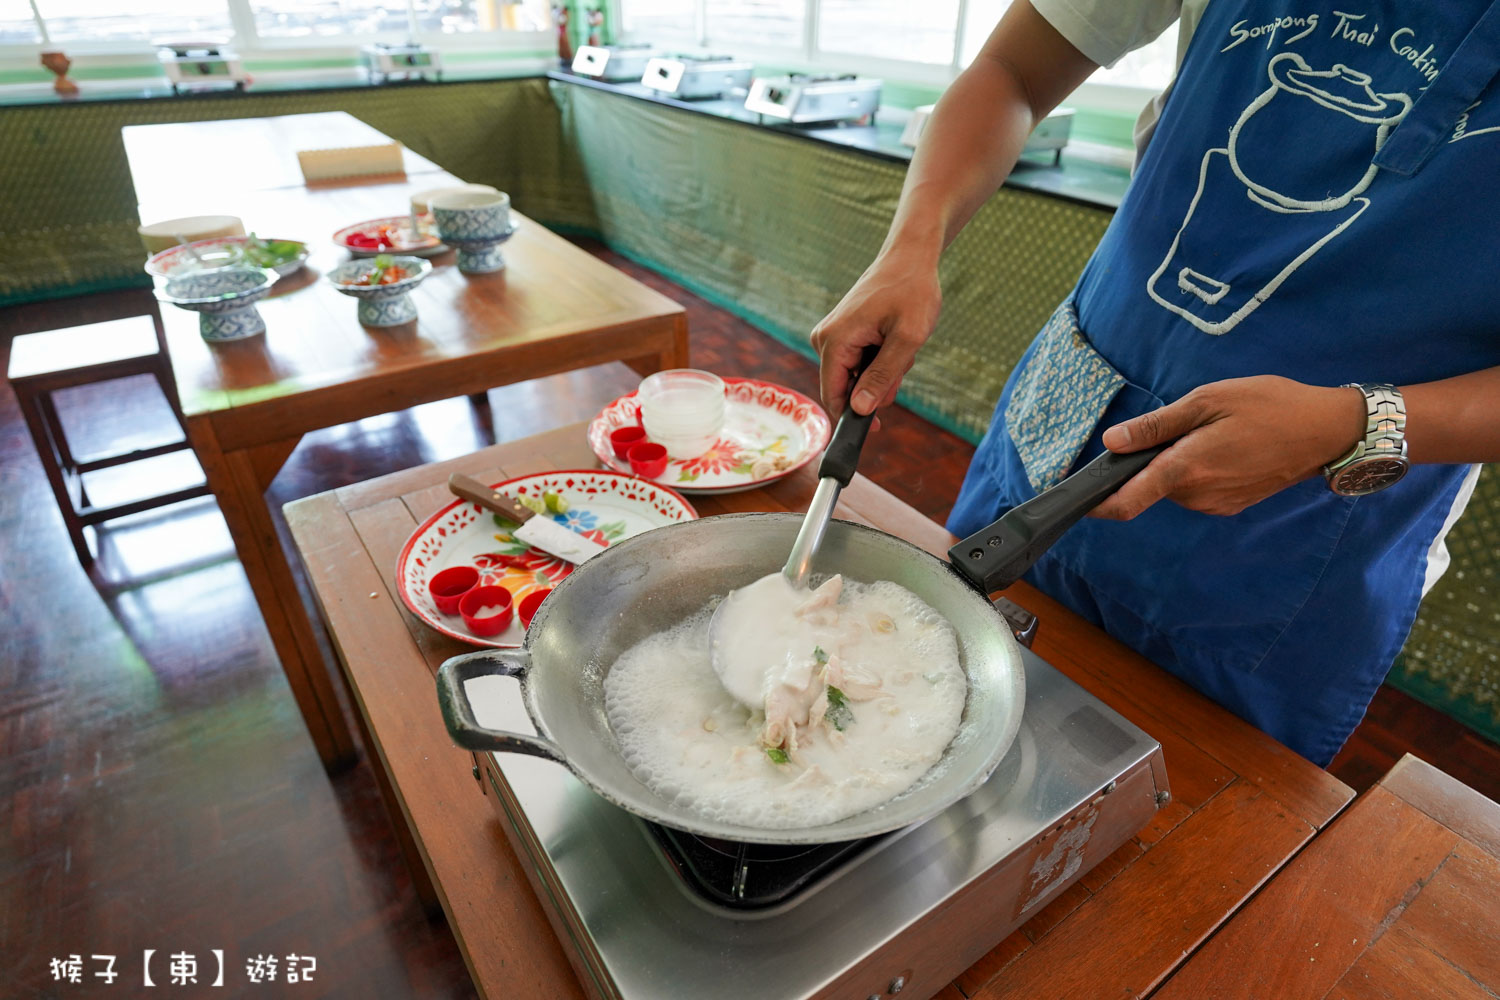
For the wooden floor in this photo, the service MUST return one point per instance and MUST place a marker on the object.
(157, 786)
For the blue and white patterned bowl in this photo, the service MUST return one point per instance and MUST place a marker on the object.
(471, 215)
(382, 305)
(223, 298)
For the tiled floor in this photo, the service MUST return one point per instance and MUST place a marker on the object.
(157, 786)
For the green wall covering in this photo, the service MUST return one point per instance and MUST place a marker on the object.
(68, 220)
(770, 226)
(781, 227)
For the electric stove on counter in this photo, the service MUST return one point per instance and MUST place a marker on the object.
(409, 61)
(613, 63)
(803, 99)
(200, 65)
(646, 913)
(697, 77)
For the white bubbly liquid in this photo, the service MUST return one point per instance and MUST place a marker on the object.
(695, 745)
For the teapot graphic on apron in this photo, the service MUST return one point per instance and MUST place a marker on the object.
(1276, 182)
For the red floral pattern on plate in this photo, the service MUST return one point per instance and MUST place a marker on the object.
(770, 432)
(605, 506)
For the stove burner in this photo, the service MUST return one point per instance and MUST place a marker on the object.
(751, 876)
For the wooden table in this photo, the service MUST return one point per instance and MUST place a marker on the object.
(1242, 804)
(1396, 900)
(554, 308)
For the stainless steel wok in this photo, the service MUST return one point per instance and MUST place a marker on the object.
(658, 579)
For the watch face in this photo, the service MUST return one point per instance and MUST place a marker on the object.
(1368, 476)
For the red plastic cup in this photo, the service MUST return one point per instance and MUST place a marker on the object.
(450, 585)
(486, 599)
(648, 460)
(622, 439)
(529, 604)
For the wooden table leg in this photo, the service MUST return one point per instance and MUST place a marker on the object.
(238, 480)
(672, 354)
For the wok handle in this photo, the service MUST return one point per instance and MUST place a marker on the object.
(841, 457)
(458, 713)
(1022, 622)
(997, 556)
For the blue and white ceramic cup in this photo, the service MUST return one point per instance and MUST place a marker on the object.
(463, 214)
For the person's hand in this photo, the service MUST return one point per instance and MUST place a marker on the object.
(1239, 441)
(895, 305)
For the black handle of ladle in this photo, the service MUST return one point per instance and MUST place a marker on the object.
(841, 457)
(999, 555)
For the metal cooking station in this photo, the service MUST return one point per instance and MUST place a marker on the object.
(1078, 782)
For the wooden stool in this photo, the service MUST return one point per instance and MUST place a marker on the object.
(43, 363)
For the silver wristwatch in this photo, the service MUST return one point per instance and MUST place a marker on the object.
(1379, 458)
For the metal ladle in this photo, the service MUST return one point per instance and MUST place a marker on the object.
(840, 459)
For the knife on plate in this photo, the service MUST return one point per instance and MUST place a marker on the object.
(541, 532)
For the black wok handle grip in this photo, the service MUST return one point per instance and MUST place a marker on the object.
(458, 713)
(841, 457)
(997, 556)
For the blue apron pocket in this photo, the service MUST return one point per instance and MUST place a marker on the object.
(1058, 398)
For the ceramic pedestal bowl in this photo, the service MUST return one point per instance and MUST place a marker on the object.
(382, 305)
(224, 300)
(480, 254)
(475, 223)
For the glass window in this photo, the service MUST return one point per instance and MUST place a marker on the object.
(648, 20)
(757, 22)
(890, 29)
(455, 17)
(136, 20)
(17, 26)
(327, 18)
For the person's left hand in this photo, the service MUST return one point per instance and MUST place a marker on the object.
(1239, 441)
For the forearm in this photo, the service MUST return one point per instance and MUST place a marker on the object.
(968, 147)
(1454, 419)
(979, 127)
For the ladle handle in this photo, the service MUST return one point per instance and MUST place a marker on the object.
(997, 556)
(841, 457)
(458, 712)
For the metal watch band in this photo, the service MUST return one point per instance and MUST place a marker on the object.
(1385, 425)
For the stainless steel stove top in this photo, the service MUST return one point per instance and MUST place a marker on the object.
(904, 916)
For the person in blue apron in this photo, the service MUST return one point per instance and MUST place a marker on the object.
(1298, 290)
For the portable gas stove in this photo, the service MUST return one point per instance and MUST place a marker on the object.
(696, 77)
(200, 65)
(646, 913)
(803, 99)
(613, 63)
(409, 61)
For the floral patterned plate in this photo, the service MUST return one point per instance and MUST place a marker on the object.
(605, 506)
(391, 234)
(769, 432)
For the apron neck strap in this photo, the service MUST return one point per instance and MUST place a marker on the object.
(1431, 119)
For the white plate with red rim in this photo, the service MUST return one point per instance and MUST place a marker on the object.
(606, 506)
(224, 251)
(390, 235)
(770, 432)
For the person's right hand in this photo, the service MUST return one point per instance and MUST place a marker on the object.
(895, 305)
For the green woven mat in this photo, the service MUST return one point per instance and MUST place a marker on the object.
(778, 228)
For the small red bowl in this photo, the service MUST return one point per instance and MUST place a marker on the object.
(450, 585)
(529, 604)
(648, 460)
(486, 598)
(622, 439)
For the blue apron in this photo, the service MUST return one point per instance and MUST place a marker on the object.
(1317, 202)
